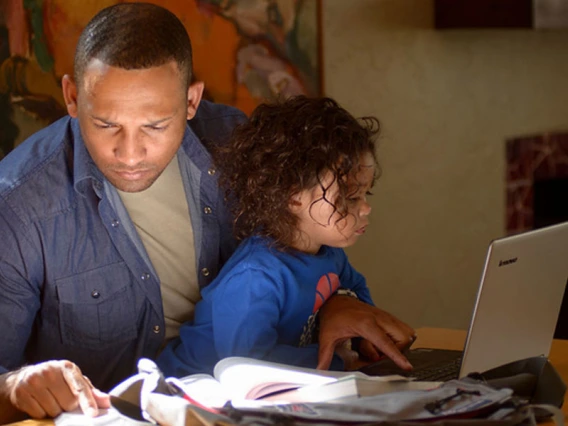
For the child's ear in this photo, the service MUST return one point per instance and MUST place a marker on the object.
(295, 202)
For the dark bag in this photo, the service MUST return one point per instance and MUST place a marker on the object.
(532, 379)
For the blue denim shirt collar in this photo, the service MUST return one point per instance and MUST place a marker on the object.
(86, 174)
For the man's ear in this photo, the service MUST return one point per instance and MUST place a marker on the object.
(194, 95)
(70, 94)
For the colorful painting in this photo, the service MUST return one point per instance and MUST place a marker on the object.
(246, 51)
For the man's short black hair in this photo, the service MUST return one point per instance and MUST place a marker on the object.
(134, 36)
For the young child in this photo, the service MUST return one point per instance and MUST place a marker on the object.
(300, 172)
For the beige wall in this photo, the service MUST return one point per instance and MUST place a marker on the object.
(447, 101)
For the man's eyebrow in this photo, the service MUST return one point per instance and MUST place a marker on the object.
(104, 120)
(161, 120)
(151, 123)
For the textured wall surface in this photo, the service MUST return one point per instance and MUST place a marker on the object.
(447, 101)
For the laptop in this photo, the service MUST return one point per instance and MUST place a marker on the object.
(515, 314)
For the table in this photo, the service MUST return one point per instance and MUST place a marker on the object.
(445, 339)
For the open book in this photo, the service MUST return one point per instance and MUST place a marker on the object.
(237, 378)
(244, 381)
(348, 387)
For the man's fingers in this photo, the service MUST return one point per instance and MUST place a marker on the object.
(389, 349)
(34, 393)
(399, 332)
(48, 402)
(345, 317)
(51, 387)
(404, 346)
(81, 388)
(403, 340)
(325, 355)
(102, 399)
(369, 351)
(385, 344)
(30, 406)
(399, 359)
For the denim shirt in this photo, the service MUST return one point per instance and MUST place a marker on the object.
(75, 280)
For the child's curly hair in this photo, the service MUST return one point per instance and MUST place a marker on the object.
(287, 147)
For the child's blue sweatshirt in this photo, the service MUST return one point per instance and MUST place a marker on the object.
(261, 306)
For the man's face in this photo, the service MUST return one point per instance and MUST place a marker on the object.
(132, 121)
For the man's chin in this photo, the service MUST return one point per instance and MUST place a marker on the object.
(132, 186)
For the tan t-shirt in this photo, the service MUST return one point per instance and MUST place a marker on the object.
(161, 217)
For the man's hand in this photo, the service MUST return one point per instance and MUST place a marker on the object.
(349, 356)
(48, 389)
(343, 317)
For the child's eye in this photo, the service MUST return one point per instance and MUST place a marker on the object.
(358, 198)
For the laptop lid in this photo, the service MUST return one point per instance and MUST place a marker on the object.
(519, 299)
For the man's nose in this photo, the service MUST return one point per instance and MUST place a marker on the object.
(130, 148)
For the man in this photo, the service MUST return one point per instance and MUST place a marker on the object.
(111, 221)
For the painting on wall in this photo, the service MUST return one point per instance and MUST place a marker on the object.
(246, 52)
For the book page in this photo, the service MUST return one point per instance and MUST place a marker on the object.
(349, 387)
(205, 389)
(106, 417)
(247, 378)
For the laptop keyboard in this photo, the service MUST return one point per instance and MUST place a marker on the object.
(436, 365)
(438, 373)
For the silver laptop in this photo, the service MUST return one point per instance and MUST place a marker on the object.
(515, 314)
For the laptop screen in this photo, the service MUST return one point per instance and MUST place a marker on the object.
(519, 298)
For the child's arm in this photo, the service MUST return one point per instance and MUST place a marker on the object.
(256, 315)
(350, 279)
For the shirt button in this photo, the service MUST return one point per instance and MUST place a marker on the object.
(145, 276)
(205, 272)
(156, 329)
(211, 171)
(207, 210)
(95, 294)
(115, 223)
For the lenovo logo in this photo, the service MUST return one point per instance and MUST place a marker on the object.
(507, 262)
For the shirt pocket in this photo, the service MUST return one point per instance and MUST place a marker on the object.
(96, 308)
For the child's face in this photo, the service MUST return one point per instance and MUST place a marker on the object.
(320, 225)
